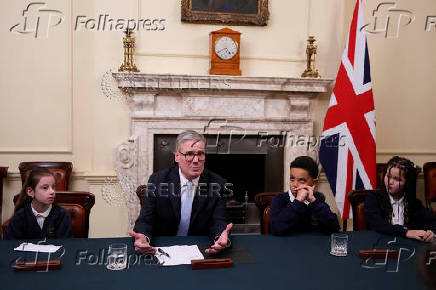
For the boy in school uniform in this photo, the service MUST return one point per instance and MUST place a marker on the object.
(301, 209)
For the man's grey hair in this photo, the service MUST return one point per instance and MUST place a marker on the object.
(188, 135)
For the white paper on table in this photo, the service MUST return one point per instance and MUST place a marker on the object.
(30, 247)
(179, 255)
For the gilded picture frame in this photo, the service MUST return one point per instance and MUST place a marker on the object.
(226, 12)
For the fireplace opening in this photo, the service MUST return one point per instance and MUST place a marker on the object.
(245, 172)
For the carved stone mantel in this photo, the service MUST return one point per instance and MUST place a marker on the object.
(157, 81)
(169, 104)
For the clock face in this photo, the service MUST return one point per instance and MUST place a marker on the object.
(226, 48)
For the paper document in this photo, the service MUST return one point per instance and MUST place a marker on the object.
(29, 247)
(178, 255)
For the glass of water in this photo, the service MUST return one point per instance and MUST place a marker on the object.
(117, 257)
(339, 244)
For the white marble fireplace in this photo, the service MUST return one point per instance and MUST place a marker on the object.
(169, 104)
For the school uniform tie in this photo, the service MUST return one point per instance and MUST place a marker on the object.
(40, 220)
(185, 213)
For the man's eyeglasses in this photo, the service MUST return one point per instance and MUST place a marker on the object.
(189, 156)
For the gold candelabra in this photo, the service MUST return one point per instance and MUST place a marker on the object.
(311, 71)
(129, 47)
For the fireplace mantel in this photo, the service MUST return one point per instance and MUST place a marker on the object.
(197, 97)
(169, 104)
(153, 82)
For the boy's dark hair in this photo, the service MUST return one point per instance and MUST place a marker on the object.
(306, 163)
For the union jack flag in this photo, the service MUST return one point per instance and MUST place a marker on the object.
(347, 150)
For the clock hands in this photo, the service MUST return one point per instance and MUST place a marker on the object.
(228, 52)
(225, 48)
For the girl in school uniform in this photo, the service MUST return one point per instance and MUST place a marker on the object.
(395, 210)
(36, 215)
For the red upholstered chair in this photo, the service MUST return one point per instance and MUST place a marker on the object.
(358, 197)
(78, 204)
(430, 184)
(357, 201)
(61, 170)
(265, 219)
(140, 192)
(263, 202)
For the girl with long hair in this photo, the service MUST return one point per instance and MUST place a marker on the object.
(36, 216)
(395, 210)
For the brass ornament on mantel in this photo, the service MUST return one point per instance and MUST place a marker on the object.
(129, 47)
(311, 71)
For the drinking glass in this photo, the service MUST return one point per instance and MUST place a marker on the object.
(117, 257)
(339, 244)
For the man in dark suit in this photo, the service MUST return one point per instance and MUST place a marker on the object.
(184, 200)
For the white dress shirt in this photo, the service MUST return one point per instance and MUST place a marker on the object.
(40, 217)
(397, 211)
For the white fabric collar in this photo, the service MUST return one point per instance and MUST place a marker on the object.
(43, 214)
(393, 201)
(184, 181)
(291, 196)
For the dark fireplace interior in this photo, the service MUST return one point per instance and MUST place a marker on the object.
(246, 172)
(249, 165)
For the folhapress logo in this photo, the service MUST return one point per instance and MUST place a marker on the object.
(388, 20)
(38, 20)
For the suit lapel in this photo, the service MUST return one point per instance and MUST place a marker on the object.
(199, 199)
(175, 195)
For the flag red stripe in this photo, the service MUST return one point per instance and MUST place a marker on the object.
(352, 38)
(351, 108)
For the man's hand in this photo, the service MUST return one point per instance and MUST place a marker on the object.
(141, 244)
(221, 242)
(420, 235)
